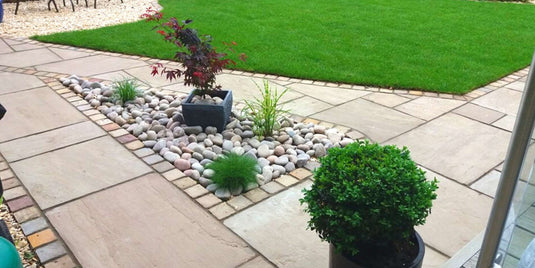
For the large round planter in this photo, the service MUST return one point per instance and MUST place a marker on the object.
(337, 260)
(9, 257)
(208, 114)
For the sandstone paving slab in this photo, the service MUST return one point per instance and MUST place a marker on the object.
(28, 58)
(25, 46)
(458, 215)
(329, 95)
(457, 147)
(68, 54)
(144, 75)
(246, 88)
(479, 113)
(91, 65)
(4, 47)
(488, 183)
(517, 85)
(13, 82)
(428, 108)
(306, 106)
(386, 99)
(377, 122)
(291, 245)
(502, 100)
(507, 122)
(47, 141)
(34, 111)
(146, 222)
(433, 259)
(62, 175)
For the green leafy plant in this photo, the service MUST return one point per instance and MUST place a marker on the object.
(265, 111)
(233, 170)
(368, 195)
(126, 90)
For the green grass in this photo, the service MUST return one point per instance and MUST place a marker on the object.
(436, 45)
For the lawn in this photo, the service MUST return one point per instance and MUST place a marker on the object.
(436, 45)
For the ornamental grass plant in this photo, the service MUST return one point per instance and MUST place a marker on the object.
(126, 90)
(232, 171)
(266, 112)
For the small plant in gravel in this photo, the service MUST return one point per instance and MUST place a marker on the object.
(232, 171)
(126, 90)
(200, 60)
(265, 111)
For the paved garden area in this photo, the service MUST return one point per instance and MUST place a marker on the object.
(87, 192)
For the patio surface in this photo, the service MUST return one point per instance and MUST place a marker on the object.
(86, 192)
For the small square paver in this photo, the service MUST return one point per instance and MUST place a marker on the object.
(143, 152)
(118, 132)
(50, 251)
(222, 211)
(126, 138)
(163, 166)
(256, 195)
(34, 225)
(301, 173)
(173, 174)
(196, 191)
(479, 113)
(110, 127)
(386, 99)
(41, 238)
(10, 183)
(6, 174)
(134, 145)
(14, 193)
(92, 112)
(27, 214)
(63, 262)
(209, 200)
(152, 159)
(184, 183)
(488, 183)
(310, 120)
(103, 122)
(428, 108)
(272, 187)
(94, 117)
(84, 107)
(287, 180)
(20, 203)
(239, 202)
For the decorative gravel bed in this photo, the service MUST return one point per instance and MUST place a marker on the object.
(155, 118)
(21, 243)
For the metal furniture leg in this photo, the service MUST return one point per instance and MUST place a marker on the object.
(53, 2)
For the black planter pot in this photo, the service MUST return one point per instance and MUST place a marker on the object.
(337, 260)
(208, 114)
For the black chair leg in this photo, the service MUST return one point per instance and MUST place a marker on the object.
(86, 5)
(95, 4)
(64, 4)
(55, 6)
(72, 4)
(17, 7)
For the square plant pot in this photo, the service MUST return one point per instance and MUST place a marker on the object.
(208, 114)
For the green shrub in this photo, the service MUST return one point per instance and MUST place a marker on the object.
(233, 170)
(126, 90)
(365, 194)
(265, 112)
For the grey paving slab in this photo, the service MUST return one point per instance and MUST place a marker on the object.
(290, 244)
(62, 175)
(488, 183)
(50, 251)
(507, 122)
(113, 76)
(12, 82)
(146, 223)
(28, 58)
(502, 100)
(34, 111)
(12, 41)
(329, 95)
(257, 262)
(306, 106)
(479, 113)
(69, 53)
(4, 47)
(92, 65)
(458, 212)
(34, 225)
(47, 141)
(386, 99)
(144, 75)
(433, 259)
(428, 108)
(457, 147)
(377, 122)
